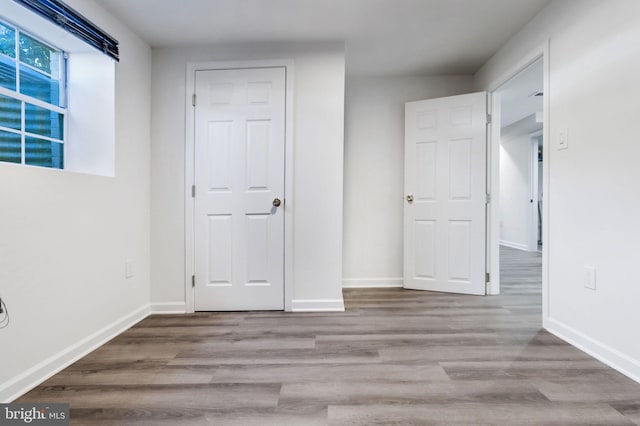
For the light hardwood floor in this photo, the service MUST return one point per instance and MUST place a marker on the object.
(394, 357)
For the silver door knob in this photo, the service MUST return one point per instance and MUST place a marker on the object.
(410, 198)
(276, 202)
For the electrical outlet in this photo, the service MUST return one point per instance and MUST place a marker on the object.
(590, 277)
(129, 270)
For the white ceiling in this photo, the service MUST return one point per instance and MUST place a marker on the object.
(382, 37)
(515, 96)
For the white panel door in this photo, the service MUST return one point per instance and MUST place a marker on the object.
(445, 189)
(239, 178)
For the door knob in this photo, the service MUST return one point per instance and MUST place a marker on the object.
(276, 202)
(410, 198)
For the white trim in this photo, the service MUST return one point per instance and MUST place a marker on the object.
(536, 140)
(192, 67)
(493, 188)
(613, 358)
(541, 51)
(317, 305)
(31, 100)
(42, 371)
(546, 182)
(516, 246)
(168, 308)
(372, 282)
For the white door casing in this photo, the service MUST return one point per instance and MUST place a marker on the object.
(534, 222)
(239, 170)
(445, 176)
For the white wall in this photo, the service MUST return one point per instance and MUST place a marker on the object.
(374, 171)
(515, 192)
(318, 151)
(594, 196)
(66, 236)
(91, 90)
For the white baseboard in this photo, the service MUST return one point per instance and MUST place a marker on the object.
(372, 282)
(317, 305)
(169, 308)
(613, 358)
(37, 374)
(517, 246)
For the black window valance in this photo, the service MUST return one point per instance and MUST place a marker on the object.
(64, 16)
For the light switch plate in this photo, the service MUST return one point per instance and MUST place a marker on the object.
(563, 138)
(590, 277)
(129, 269)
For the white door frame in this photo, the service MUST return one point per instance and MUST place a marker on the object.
(189, 177)
(493, 177)
(536, 140)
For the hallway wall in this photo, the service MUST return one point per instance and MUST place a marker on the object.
(594, 199)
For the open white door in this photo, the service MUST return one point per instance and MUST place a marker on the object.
(239, 197)
(445, 188)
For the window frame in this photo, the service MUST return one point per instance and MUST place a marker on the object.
(24, 99)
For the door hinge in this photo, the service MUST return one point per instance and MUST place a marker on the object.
(488, 199)
(193, 191)
(193, 280)
(487, 278)
(489, 118)
(193, 99)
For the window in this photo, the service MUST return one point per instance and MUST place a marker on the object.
(32, 100)
(57, 90)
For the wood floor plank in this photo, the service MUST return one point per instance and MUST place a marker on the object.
(630, 409)
(530, 413)
(394, 357)
(341, 372)
(496, 370)
(150, 397)
(253, 342)
(482, 353)
(399, 392)
(583, 389)
(316, 355)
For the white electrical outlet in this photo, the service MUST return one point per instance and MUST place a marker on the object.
(129, 271)
(563, 138)
(590, 277)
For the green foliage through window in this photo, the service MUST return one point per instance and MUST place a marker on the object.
(7, 41)
(37, 54)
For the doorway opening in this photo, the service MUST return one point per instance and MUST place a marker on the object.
(520, 139)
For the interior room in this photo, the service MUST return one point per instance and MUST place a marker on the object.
(422, 203)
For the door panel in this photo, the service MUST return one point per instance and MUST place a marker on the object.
(425, 261)
(219, 155)
(445, 175)
(427, 154)
(239, 171)
(258, 147)
(220, 236)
